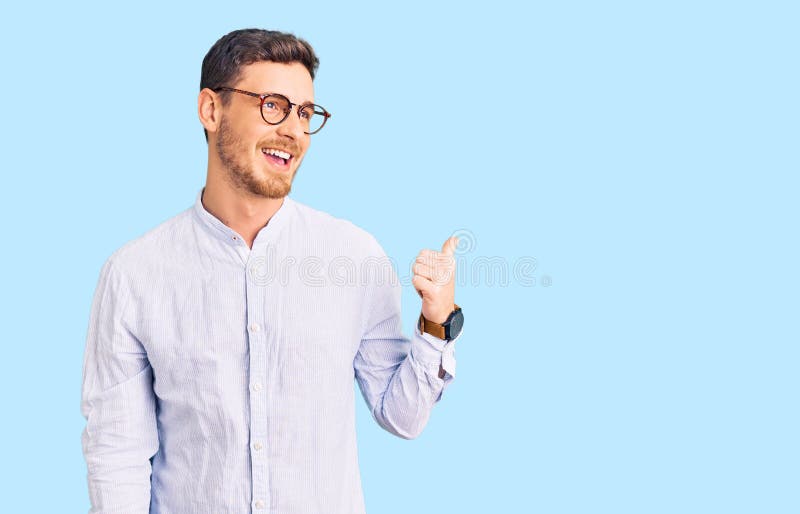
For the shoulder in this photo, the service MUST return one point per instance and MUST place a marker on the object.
(343, 246)
(162, 244)
(335, 232)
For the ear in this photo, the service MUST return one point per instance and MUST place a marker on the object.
(209, 109)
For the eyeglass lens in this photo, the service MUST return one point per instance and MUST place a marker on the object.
(275, 109)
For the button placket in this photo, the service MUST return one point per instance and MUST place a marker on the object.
(258, 336)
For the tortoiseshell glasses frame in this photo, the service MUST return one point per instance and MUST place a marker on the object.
(278, 108)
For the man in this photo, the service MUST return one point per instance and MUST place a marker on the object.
(223, 344)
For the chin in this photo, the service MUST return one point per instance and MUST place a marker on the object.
(274, 188)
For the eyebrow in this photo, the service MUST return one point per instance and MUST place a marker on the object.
(307, 102)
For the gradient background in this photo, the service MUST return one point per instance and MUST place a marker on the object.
(645, 154)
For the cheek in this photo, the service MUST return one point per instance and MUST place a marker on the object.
(302, 157)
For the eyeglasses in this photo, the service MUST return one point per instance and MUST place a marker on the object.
(275, 108)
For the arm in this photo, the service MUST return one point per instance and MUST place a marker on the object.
(399, 377)
(118, 403)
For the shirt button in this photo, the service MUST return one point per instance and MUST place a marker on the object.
(257, 386)
(257, 446)
(259, 504)
(255, 327)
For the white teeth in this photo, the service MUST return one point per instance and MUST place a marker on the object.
(278, 153)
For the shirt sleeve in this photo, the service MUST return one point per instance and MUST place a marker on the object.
(398, 376)
(118, 402)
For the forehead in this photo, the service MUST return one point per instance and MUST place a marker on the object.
(289, 79)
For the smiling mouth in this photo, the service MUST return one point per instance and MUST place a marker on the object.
(280, 158)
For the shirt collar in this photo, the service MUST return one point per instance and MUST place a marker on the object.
(222, 231)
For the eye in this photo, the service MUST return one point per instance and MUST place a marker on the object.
(307, 112)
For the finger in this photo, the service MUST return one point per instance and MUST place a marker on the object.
(435, 259)
(440, 273)
(426, 255)
(449, 246)
(423, 270)
(423, 285)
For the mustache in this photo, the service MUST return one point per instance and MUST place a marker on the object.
(281, 145)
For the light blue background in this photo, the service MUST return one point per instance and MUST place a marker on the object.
(644, 153)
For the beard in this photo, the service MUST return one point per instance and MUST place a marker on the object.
(231, 151)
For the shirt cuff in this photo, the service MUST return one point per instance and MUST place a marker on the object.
(432, 351)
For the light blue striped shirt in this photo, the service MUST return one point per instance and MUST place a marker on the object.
(219, 378)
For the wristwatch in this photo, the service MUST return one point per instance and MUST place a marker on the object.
(448, 330)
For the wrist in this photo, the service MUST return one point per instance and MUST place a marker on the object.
(448, 330)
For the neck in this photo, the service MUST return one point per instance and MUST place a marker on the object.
(240, 210)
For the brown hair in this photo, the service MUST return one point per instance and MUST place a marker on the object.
(223, 63)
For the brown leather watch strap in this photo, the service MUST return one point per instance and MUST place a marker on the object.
(434, 329)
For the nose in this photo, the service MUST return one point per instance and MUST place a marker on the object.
(291, 126)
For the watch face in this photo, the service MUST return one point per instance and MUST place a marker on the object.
(455, 324)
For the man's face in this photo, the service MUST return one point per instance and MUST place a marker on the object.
(244, 140)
